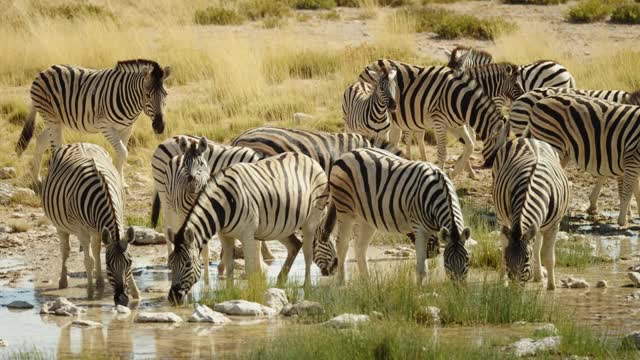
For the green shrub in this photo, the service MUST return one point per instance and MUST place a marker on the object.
(14, 111)
(271, 22)
(314, 4)
(451, 25)
(218, 16)
(626, 14)
(589, 11)
(260, 9)
(534, 2)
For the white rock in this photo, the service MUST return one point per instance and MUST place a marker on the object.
(86, 323)
(275, 298)
(633, 296)
(546, 329)
(146, 236)
(5, 229)
(346, 321)
(244, 308)
(530, 347)
(7, 191)
(202, 313)
(158, 317)
(633, 339)
(562, 236)
(19, 305)
(429, 315)
(7, 173)
(572, 283)
(121, 309)
(238, 264)
(635, 277)
(62, 307)
(302, 308)
(602, 284)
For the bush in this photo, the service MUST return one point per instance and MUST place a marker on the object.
(626, 14)
(218, 16)
(331, 15)
(314, 4)
(589, 11)
(534, 2)
(75, 11)
(451, 25)
(260, 9)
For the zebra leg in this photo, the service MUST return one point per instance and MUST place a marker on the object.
(537, 265)
(135, 292)
(549, 249)
(629, 187)
(394, 133)
(95, 248)
(407, 137)
(115, 139)
(266, 252)
(41, 147)
(441, 140)
(85, 242)
(420, 141)
(125, 134)
(362, 244)
(293, 245)
(503, 264)
(345, 227)
(251, 248)
(620, 187)
(226, 257)
(463, 159)
(421, 257)
(64, 252)
(595, 193)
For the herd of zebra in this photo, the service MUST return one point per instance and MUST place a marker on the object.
(279, 184)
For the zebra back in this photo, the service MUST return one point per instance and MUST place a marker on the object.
(545, 73)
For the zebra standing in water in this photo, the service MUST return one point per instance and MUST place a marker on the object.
(82, 195)
(448, 101)
(322, 147)
(365, 107)
(268, 199)
(90, 101)
(599, 135)
(380, 191)
(531, 195)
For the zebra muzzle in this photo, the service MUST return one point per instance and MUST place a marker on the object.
(158, 124)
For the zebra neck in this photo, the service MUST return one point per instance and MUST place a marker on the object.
(111, 219)
(488, 78)
(481, 113)
(206, 218)
(377, 107)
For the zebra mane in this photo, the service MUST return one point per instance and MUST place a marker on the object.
(137, 65)
(109, 194)
(499, 67)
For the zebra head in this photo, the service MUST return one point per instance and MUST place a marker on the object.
(155, 95)
(511, 87)
(497, 138)
(118, 264)
(195, 167)
(184, 263)
(324, 249)
(385, 86)
(517, 254)
(456, 257)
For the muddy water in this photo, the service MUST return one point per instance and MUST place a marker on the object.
(606, 309)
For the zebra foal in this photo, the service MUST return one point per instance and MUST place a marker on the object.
(90, 101)
(531, 195)
(380, 191)
(82, 195)
(268, 199)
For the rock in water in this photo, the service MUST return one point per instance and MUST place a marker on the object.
(276, 299)
(345, 321)
(158, 317)
(530, 347)
(146, 236)
(303, 308)
(572, 283)
(62, 307)
(429, 315)
(19, 305)
(86, 323)
(635, 277)
(244, 308)
(602, 284)
(121, 309)
(204, 314)
(3, 343)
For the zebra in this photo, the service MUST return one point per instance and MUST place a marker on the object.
(268, 199)
(365, 107)
(599, 135)
(447, 100)
(522, 110)
(381, 191)
(323, 147)
(462, 57)
(106, 101)
(82, 195)
(531, 195)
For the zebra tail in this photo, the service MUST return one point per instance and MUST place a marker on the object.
(27, 132)
(155, 210)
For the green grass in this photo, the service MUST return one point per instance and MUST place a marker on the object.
(14, 111)
(303, 64)
(314, 4)
(451, 25)
(626, 14)
(589, 11)
(577, 255)
(74, 11)
(139, 220)
(260, 9)
(26, 199)
(534, 2)
(218, 16)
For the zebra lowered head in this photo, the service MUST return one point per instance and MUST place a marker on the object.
(194, 171)
(518, 252)
(118, 262)
(456, 257)
(184, 263)
(155, 94)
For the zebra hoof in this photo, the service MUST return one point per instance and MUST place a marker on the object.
(62, 283)
(592, 210)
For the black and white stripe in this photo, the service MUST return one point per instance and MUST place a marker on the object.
(82, 195)
(365, 106)
(462, 57)
(91, 101)
(380, 191)
(531, 195)
(602, 137)
(268, 199)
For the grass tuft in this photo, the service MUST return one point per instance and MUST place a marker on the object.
(260, 9)
(534, 2)
(74, 11)
(22, 198)
(14, 111)
(19, 225)
(314, 4)
(626, 14)
(218, 16)
(589, 11)
(332, 15)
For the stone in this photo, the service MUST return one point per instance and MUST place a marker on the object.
(545, 330)
(3, 343)
(635, 268)
(238, 264)
(18, 304)
(5, 229)
(158, 317)
(7, 191)
(61, 307)
(530, 347)
(275, 298)
(429, 315)
(146, 236)
(401, 251)
(635, 277)
(633, 339)
(602, 284)
(86, 323)
(204, 314)
(346, 321)
(243, 308)
(7, 173)
(562, 236)
(633, 296)
(573, 283)
(121, 309)
(303, 308)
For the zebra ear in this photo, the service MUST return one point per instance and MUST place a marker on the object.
(184, 144)
(466, 234)
(447, 52)
(634, 99)
(166, 72)
(373, 74)
(203, 145)
(392, 74)
(131, 235)
(444, 234)
(105, 236)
